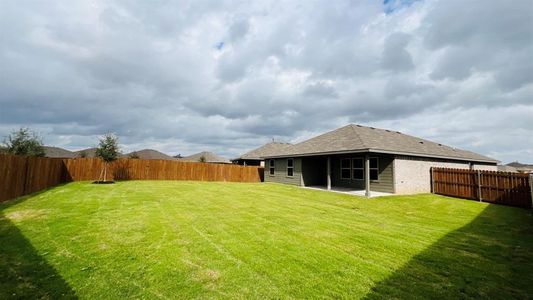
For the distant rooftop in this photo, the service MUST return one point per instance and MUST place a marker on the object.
(149, 154)
(209, 157)
(89, 152)
(520, 165)
(56, 152)
(271, 148)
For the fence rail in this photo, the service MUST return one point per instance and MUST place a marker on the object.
(22, 175)
(506, 188)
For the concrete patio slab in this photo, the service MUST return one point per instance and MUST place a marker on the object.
(349, 191)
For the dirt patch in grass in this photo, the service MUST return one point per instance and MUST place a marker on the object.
(27, 214)
(207, 275)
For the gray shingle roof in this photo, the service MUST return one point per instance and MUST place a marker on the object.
(150, 154)
(89, 153)
(518, 165)
(361, 138)
(271, 148)
(57, 152)
(210, 157)
(507, 168)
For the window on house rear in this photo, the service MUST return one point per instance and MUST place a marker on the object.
(374, 168)
(271, 166)
(358, 168)
(290, 167)
(345, 168)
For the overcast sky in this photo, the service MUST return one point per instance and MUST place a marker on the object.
(228, 76)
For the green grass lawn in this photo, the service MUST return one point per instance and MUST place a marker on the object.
(171, 239)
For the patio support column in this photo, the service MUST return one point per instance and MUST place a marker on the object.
(329, 174)
(367, 176)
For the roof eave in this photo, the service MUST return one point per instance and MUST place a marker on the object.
(247, 158)
(385, 152)
(435, 156)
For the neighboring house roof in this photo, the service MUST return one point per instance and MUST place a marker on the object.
(209, 157)
(521, 167)
(516, 164)
(507, 168)
(150, 154)
(357, 138)
(56, 152)
(271, 148)
(89, 152)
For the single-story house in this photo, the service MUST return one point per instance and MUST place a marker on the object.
(205, 156)
(368, 159)
(255, 157)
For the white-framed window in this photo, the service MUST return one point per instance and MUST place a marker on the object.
(290, 166)
(271, 166)
(374, 168)
(345, 168)
(358, 168)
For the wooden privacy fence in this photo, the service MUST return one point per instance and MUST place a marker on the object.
(22, 175)
(514, 189)
(80, 169)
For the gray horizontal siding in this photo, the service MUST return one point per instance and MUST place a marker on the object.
(385, 181)
(280, 171)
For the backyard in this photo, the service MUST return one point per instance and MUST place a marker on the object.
(185, 239)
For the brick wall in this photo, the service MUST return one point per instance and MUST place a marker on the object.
(412, 174)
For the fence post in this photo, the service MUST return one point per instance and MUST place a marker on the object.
(531, 187)
(432, 181)
(479, 185)
(27, 160)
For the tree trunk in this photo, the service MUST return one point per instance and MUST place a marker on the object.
(101, 174)
(105, 171)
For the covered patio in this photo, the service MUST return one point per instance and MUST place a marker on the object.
(359, 173)
(349, 191)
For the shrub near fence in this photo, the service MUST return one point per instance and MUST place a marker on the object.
(22, 175)
(506, 188)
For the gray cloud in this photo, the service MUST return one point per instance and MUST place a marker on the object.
(151, 72)
(483, 37)
(238, 30)
(395, 56)
(320, 90)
